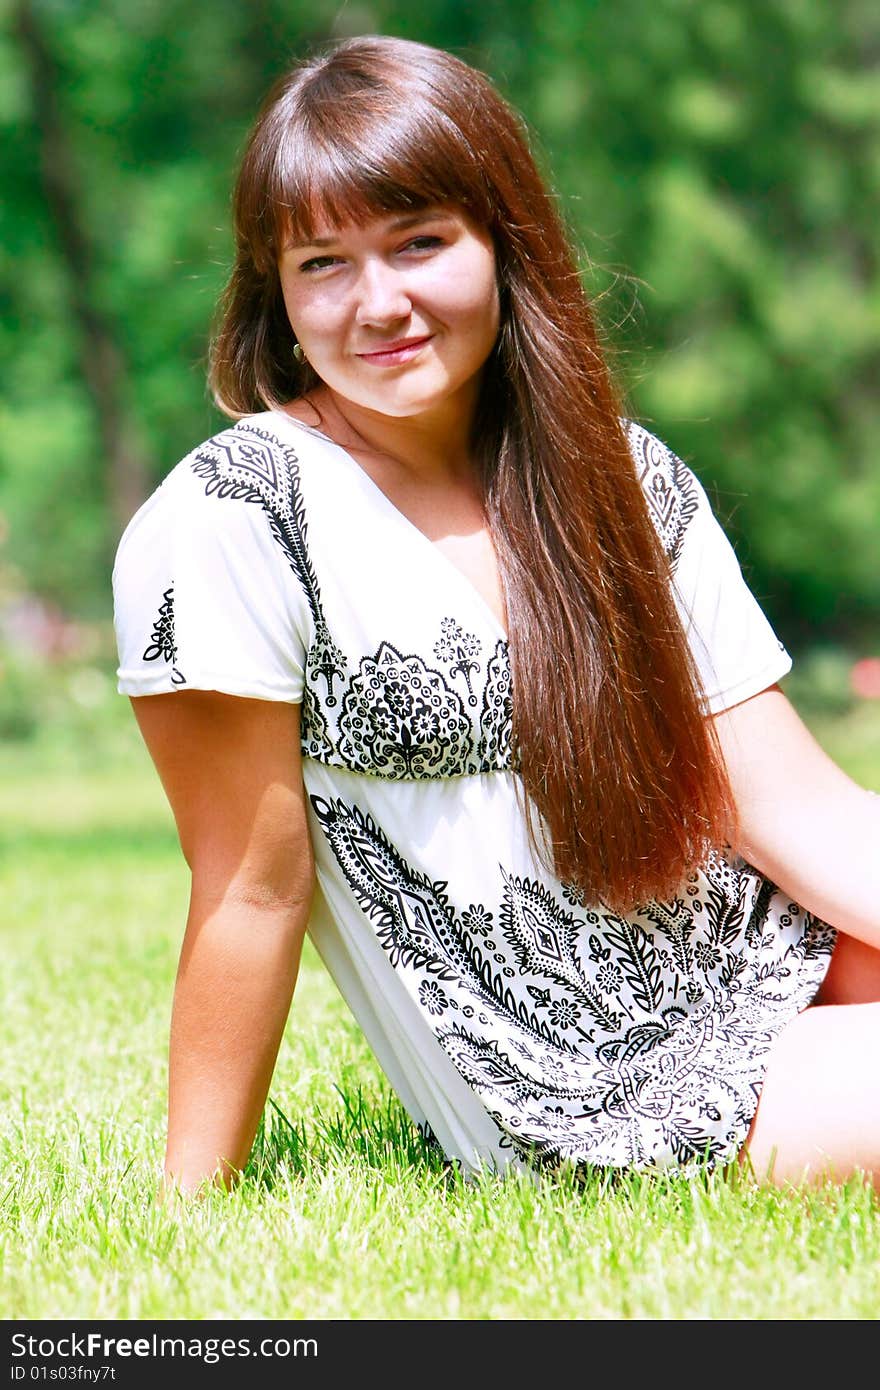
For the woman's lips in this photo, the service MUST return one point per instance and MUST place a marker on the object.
(393, 353)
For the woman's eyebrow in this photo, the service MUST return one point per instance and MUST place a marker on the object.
(423, 215)
(400, 224)
(293, 245)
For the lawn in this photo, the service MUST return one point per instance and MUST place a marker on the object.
(343, 1213)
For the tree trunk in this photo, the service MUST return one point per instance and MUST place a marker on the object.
(101, 360)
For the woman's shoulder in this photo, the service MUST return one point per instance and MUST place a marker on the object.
(654, 458)
(674, 495)
(259, 452)
(258, 459)
(211, 582)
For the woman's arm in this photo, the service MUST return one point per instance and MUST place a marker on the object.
(231, 769)
(803, 822)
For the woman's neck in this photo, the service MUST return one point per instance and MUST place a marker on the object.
(430, 447)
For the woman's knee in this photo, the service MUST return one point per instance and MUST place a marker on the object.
(818, 1115)
(854, 974)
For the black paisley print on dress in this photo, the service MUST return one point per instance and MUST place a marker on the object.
(396, 716)
(162, 640)
(590, 1038)
(668, 489)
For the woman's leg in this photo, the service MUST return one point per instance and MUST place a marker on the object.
(853, 975)
(819, 1112)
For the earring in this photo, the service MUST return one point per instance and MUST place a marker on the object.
(298, 353)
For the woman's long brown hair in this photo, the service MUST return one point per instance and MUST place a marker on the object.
(623, 783)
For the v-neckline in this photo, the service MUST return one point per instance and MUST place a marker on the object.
(385, 501)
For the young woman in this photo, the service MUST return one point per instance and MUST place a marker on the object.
(442, 658)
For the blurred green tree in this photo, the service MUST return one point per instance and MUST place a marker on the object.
(718, 161)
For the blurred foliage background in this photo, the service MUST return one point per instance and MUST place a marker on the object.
(717, 160)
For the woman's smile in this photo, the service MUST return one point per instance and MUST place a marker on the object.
(392, 354)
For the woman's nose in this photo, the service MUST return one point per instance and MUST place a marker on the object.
(382, 295)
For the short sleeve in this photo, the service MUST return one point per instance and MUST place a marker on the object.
(736, 652)
(203, 596)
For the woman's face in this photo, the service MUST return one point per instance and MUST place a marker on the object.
(397, 316)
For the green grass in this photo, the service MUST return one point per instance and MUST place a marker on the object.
(344, 1212)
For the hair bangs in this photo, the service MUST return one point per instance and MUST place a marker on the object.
(334, 169)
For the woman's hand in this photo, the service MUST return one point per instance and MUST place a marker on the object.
(231, 769)
(802, 821)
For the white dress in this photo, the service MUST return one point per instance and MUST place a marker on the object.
(515, 1021)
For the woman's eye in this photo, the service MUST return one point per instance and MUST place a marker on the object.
(423, 243)
(317, 263)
